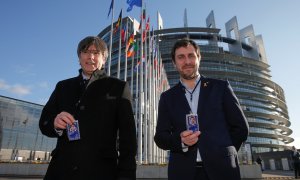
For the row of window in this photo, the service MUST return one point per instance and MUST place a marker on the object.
(19, 122)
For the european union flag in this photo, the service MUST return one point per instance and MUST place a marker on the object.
(132, 3)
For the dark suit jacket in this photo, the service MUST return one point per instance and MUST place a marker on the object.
(104, 113)
(295, 157)
(222, 124)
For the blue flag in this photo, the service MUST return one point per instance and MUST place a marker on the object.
(111, 7)
(132, 3)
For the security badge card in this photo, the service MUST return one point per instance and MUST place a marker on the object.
(73, 131)
(192, 122)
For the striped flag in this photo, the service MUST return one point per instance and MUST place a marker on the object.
(130, 41)
(118, 22)
(123, 33)
(130, 52)
(147, 28)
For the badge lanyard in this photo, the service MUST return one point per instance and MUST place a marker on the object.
(191, 93)
(196, 127)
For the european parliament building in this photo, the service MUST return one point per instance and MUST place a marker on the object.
(20, 137)
(239, 57)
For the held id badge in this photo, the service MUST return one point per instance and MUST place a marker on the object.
(73, 131)
(192, 122)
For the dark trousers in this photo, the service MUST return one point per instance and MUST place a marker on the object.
(297, 169)
(200, 172)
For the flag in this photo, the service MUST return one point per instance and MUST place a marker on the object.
(147, 28)
(139, 62)
(137, 66)
(155, 63)
(111, 7)
(130, 52)
(140, 25)
(132, 3)
(143, 17)
(118, 22)
(130, 41)
(123, 33)
(159, 22)
(148, 24)
(133, 49)
(136, 46)
(151, 43)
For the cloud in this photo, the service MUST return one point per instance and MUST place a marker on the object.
(296, 142)
(44, 85)
(3, 85)
(20, 90)
(16, 89)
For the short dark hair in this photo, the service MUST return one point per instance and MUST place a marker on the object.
(100, 45)
(184, 43)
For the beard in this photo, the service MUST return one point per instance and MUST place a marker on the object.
(189, 75)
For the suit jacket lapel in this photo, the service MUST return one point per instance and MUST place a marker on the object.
(181, 92)
(204, 92)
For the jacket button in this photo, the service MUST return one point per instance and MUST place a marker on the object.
(82, 108)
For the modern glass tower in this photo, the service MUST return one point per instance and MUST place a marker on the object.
(239, 57)
(20, 137)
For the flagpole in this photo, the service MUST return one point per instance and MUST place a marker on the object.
(125, 68)
(150, 136)
(158, 151)
(154, 94)
(120, 48)
(132, 66)
(145, 100)
(141, 100)
(137, 105)
(150, 132)
(110, 39)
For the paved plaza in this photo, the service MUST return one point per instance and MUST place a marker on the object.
(268, 174)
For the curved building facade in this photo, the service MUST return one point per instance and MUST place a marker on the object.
(20, 137)
(239, 57)
(242, 61)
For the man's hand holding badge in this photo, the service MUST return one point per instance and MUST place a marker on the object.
(73, 131)
(190, 136)
(65, 120)
(192, 122)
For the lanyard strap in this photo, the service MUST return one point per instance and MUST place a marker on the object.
(191, 93)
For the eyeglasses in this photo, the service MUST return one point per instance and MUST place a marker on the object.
(89, 52)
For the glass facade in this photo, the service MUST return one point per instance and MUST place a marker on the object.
(147, 79)
(20, 137)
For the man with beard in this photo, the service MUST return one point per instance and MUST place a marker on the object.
(209, 153)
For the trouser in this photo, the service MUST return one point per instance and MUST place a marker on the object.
(297, 169)
(200, 172)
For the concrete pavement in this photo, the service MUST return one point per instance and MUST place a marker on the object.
(267, 174)
(278, 174)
